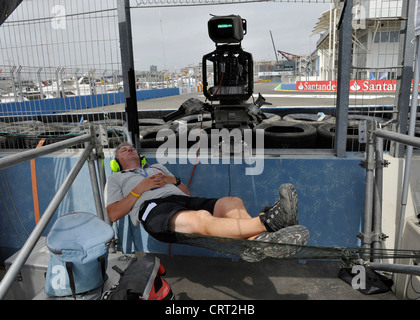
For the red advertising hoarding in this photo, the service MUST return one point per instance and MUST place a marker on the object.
(355, 86)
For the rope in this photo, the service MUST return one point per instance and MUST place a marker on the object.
(198, 150)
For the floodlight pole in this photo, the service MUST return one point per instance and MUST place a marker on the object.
(128, 73)
(344, 65)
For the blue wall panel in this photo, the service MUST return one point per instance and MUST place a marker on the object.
(16, 202)
(330, 191)
(57, 105)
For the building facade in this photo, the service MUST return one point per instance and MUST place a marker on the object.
(376, 36)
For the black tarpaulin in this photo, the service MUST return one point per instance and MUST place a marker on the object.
(6, 8)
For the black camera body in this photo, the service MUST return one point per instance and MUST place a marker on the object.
(233, 76)
(233, 79)
(226, 29)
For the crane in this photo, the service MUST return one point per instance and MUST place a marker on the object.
(289, 56)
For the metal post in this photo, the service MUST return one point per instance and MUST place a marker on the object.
(95, 187)
(102, 181)
(98, 134)
(101, 171)
(42, 224)
(344, 64)
(404, 74)
(409, 151)
(101, 167)
(369, 165)
(128, 73)
(377, 202)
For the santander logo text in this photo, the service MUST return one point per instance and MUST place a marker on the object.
(355, 86)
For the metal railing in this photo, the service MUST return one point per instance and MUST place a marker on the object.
(372, 236)
(92, 142)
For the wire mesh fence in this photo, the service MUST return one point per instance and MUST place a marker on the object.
(376, 49)
(55, 59)
(60, 69)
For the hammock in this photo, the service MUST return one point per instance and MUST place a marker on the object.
(241, 248)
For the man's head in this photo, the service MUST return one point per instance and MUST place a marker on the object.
(126, 157)
(123, 145)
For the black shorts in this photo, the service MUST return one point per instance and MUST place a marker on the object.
(156, 223)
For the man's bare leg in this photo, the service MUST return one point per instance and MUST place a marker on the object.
(203, 222)
(230, 207)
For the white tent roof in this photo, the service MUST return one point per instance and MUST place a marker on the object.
(323, 23)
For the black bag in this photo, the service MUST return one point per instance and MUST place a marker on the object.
(141, 281)
(375, 282)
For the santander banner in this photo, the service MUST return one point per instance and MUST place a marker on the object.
(355, 86)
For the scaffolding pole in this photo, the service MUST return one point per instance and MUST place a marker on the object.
(42, 224)
(23, 156)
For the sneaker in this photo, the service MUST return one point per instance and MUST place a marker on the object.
(297, 236)
(284, 212)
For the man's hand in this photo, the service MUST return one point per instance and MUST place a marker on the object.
(152, 182)
(160, 179)
(163, 179)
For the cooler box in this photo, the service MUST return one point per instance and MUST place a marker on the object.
(117, 259)
(31, 279)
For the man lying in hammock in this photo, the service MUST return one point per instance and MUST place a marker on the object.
(157, 199)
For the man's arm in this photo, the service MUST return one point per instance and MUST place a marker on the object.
(171, 179)
(119, 209)
(184, 189)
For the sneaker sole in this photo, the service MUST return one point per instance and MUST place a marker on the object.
(292, 238)
(292, 195)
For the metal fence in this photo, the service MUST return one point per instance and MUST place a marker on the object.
(60, 67)
(380, 31)
(59, 61)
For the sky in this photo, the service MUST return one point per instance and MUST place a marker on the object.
(171, 38)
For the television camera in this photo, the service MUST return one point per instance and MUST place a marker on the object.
(233, 79)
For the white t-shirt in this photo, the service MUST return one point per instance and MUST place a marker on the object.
(119, 185)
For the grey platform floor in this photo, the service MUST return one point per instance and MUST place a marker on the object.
(203, 278)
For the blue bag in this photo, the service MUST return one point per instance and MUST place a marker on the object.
(78, 243)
